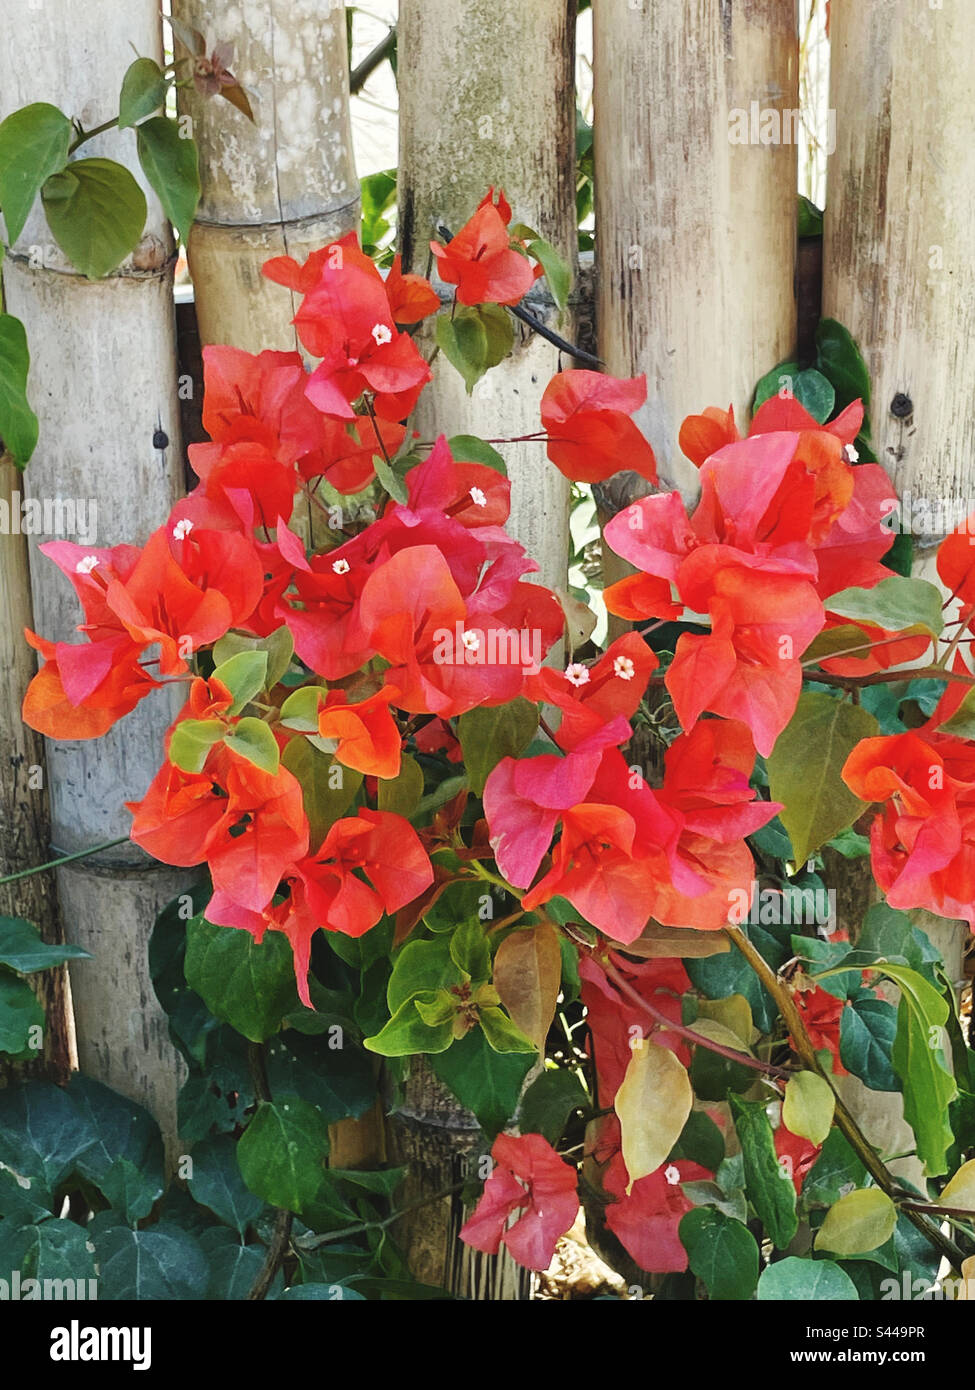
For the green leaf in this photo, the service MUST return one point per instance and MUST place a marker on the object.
(928, 1085)
(836, 1170)
(282, 1152)
(301, 709)
(895, 604)
(851, 844)
(860, 1221)
(34, 145)
(234, 1267)
(812, 390)
(41, 1135)
(770, 1189)
(401, 794)
(279, 646)
(502, 1034)
(557, 273)
(475, 339)
(808, 1106)
(18, 423)
(252, 739)
(190, 1021)
(249, 986)
(422, 965)
(701, 1141)
(171, 163)
(50, 1251)
(96, 212)
(804, 770)
(868, 1027)
(161, 1263)
(144, 89)
(22, 949)
(489, 734)
(378, 192)
(469, 950)
(20, 1013)
(408, 1032)
(550, 1100)
(486, 1082)
(244, 675)
(468, 448)
(331, 1071)
(795, 1280)
(721, 1252)
(839, 360)
(962, 722)
(126, 1161)
(192, 740)
(217, 1183)
(390, 479)
(327, 787)
(780, 378)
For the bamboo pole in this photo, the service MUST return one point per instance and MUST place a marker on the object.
(696, 232)
(898, 272)
(25, 828)
(486, 98)
(899, 255)
(284, 185)
(103, 382)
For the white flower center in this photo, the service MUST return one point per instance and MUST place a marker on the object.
(182, 529)
(478, 497)
(851, 453)
(577, 674)
(86, 564)
(624, 668)
(340, 566)
(672, 1175)
(382, 334)
(471, 641)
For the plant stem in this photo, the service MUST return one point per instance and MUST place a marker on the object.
(698, 1039)
(382, 1223)
(65, 859)
(848, 1126)
(90, 134)
(283, 1219)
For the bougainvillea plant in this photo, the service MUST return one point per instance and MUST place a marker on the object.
(589, 887)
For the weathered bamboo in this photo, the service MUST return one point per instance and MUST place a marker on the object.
(899, 257)
(102, 424)
(695, 250)
(285, 185)
(899, 273)
(486, 98)
(25, 829)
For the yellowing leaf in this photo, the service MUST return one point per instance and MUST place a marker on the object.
(527, 975)
(960, 1191)
(808, 1106)
(734, 1012)
(653, 1104)
(717, 1032)
(858, 1222)
(656, 941)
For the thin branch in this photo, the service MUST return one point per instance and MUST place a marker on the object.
(865, 1151)
(65, 859)
(361, 73)
(283, 1219)
(381, 1223)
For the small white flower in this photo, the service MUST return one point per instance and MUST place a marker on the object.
(382, 334)
(182, 529)
(340, 566)
(851, 453)
(86, 564)
(624, 668)
(471, 641)
(672, 1175)
(577, 674)
(478, 497)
